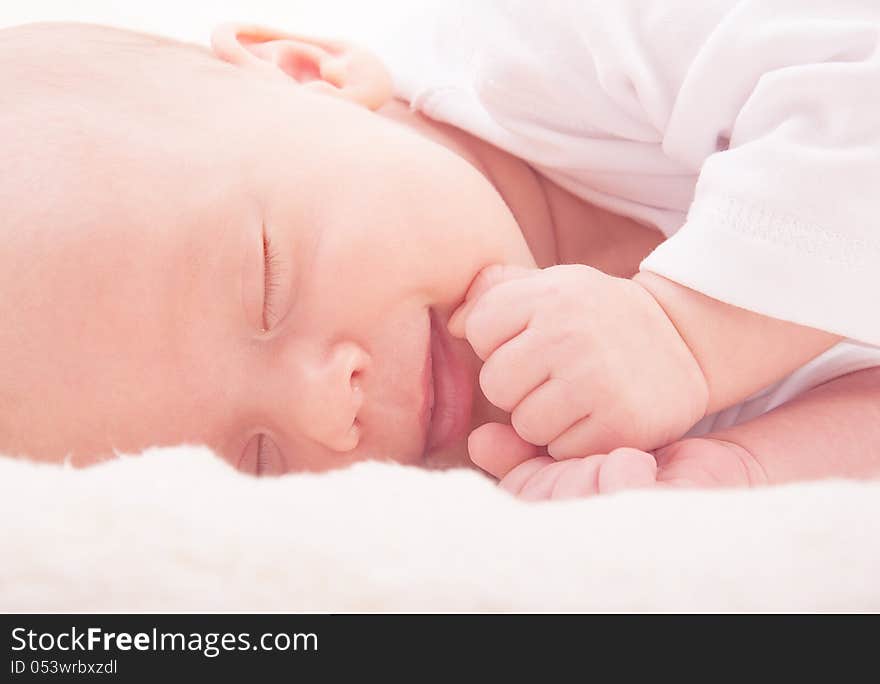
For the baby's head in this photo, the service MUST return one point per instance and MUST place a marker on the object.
(232, 246)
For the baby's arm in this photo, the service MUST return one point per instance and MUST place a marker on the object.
(831, 431)
(586, 363)
(739, 352)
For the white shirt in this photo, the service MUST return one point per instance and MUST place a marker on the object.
(746, 130)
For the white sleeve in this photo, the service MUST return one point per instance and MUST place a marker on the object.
(786, 216)
(581, 89)
(752, 127)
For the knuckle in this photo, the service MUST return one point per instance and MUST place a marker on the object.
(477, 329)
(494, 384)
(557, 341)
(570, 391)
(563, 330)
(592, 435)
(523, 422)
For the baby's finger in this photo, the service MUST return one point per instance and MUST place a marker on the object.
(486, 279)
(497, 449)
(549, 411)
(588, 435)
(579, 479)
(514, 370)
(501, 314)
(517, 478)
(627, 468)
(541, 485)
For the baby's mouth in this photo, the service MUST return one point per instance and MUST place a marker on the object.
(427, 405)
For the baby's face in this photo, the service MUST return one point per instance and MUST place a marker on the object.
(264, 284)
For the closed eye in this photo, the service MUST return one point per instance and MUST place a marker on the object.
(271, 278)
(261, 457)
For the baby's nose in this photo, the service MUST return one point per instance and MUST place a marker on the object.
(324, 394)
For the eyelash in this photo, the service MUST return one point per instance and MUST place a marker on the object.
(262, 458)
(270, 278)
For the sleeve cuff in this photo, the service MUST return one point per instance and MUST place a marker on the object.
(777, 266)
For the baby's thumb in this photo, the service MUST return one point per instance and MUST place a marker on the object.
(497, 449)
(485, 280)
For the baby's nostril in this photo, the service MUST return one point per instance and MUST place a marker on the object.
(357, 397)
(356, 387)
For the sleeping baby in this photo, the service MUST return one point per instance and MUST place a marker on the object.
(273, 248)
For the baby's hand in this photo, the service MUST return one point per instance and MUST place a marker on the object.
(584, 362)
(700, 462)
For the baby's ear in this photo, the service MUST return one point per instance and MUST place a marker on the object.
(331, 67)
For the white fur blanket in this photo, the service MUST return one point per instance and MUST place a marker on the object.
(177, 529)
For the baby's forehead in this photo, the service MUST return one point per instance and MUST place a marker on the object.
(75, 98)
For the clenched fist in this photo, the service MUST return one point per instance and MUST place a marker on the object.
(584, 362)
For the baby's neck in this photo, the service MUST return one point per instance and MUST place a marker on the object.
(558, 226)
